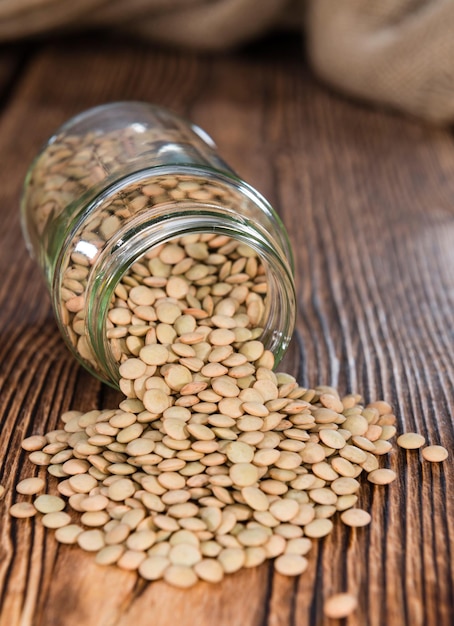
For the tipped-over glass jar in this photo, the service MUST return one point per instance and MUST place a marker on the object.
(111, 189)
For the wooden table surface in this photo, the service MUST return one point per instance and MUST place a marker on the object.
(368, 198)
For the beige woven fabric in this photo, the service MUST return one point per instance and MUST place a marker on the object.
(399, 53)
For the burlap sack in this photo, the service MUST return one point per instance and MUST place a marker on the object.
(396, 52)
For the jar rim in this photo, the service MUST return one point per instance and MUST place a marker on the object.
(144, 231)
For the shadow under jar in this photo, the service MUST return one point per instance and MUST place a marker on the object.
(115, 183)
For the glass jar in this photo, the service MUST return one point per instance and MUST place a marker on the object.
(120, 179)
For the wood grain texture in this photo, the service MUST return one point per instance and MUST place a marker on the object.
(368, 199)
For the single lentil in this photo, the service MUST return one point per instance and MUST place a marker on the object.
(290, 564)
(68, 534)
(411, 441)
(30, 486)
(57, 519)
(382, 476)
(340, 605)
(49, 504)
(355, 517)
(22, 510)
(434, 454)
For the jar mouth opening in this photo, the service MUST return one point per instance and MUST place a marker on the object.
(278, 318)
(168, 221)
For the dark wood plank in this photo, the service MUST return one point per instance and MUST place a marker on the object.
(368, 200)
(13, 60)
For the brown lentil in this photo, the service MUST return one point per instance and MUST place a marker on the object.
(22, 510)
(411, 441)
(68, 534)
(382, 476)
(30, 486)
(355, 517)
(57, 519)
(435, 454)
(48, 504)
(153, 567)
(340, 605)
(290, 564)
